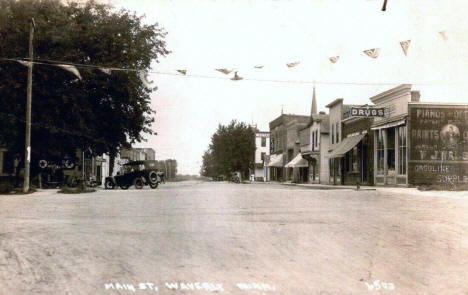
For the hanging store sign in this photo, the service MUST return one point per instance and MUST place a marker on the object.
(367, 112)
(438, 144)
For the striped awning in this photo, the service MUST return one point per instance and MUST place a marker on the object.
(298, 161)
(347, 144)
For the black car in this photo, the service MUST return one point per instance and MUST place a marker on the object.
(137, 173)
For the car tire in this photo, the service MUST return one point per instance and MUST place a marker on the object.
(109, 184)
(153, 176)
(138, 183)
(153, 185)
(124, 186)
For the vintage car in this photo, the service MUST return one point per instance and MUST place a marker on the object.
(137, 173)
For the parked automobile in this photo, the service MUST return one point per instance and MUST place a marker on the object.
(137, 173)
(236, 177)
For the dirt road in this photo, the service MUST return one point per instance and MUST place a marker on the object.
(204, 238)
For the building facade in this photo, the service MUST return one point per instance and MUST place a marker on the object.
(284, 144)
(391, 135)
(262, 149)
(437, 144)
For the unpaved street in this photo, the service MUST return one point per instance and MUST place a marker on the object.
(283, 240)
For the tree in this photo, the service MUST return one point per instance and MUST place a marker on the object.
(232, 149)
(101, 111)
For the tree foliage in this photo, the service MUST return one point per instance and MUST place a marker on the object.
(101, 111)
(232, 149)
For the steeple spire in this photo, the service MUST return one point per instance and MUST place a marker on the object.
(313, 110)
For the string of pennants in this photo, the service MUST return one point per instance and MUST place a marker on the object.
(372, 53)
(73, 68)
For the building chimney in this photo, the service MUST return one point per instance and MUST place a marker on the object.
(415, 95)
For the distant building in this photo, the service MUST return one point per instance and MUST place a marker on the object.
(138, 154)
(262, 150)
(284, 144)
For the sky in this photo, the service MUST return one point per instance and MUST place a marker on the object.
(207, 34)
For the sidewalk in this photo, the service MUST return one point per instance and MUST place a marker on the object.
(383, 189)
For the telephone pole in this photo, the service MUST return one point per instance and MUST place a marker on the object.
(27, 156)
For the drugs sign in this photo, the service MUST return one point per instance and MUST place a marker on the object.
(438, 150)
(367, 112)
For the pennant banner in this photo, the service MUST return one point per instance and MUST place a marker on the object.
(183, 72)
(444, 35)
(24, 63)
(236, 77)
(143, 75)
(106, 71)
(374, 52)
(71, 69)
(405, 45)
(334, 59)
(292, 64)
(225, 71)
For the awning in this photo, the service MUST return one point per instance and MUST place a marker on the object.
(298, 161)
(389, 125)
(347, 144)
(276, 161)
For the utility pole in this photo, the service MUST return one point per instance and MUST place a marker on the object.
(27, 156)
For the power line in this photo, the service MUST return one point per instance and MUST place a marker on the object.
(311, 82)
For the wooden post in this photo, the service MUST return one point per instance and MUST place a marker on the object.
(27, 155)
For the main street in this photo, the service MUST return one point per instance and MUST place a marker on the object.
(224, 237)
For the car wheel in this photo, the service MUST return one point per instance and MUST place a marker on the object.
(138, 183)
(124, 186)
(153, 185)
(109, 184)
(153, 176)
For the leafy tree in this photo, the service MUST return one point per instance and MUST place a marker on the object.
(232, 149)
(101, 111)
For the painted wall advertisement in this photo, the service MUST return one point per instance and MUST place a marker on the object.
(438, 149)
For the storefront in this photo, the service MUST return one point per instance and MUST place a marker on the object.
(358, 160)
(345, 161)
(276, 167)
(300, 168)
(391, 135)
(390, 154)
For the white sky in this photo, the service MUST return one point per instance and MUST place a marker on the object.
(204, 35)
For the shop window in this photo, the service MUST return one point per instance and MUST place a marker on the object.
(337, 132)
(333, 133)
(351, 160)
(391, 149)
(402, 150)
(380, 152)
(263, 141)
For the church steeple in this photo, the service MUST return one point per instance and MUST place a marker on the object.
(313, 110)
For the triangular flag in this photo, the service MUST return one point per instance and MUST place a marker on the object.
(405, 45)
(374, 52)
(334, 59)
(106, 70)
(292, 64)
(24, 63)
(258, 67)
(183, 72)
(71, 69)
(236, 77)
(143, 75)
(444, 35)
(225, 71)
